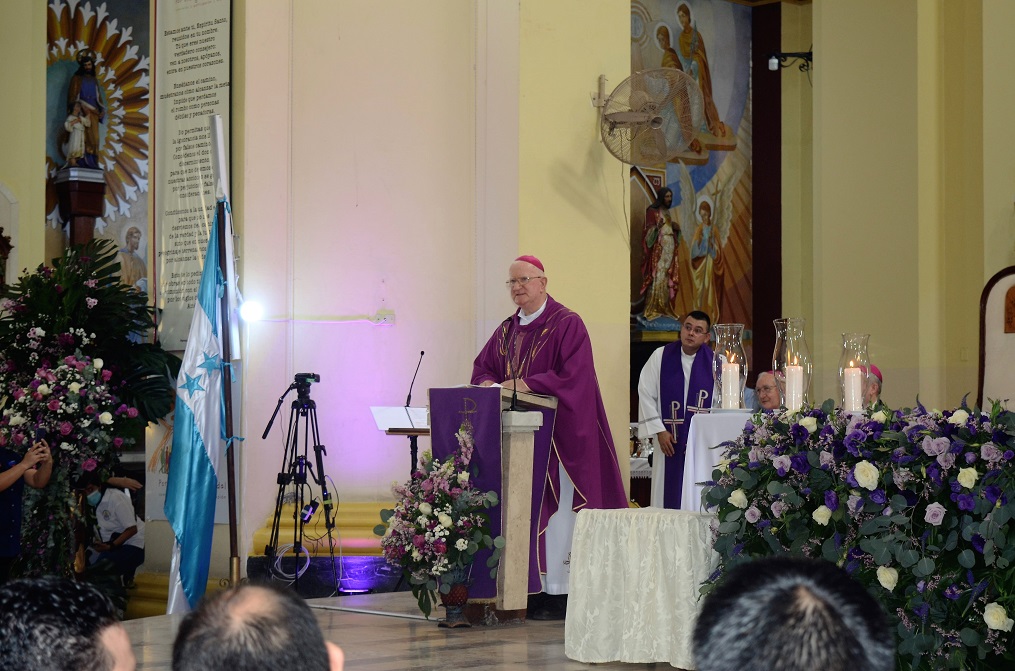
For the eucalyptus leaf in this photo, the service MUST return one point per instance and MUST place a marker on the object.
(734, 515)
(924, 567)
(966, 558)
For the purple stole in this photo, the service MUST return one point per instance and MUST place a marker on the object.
(674, 412)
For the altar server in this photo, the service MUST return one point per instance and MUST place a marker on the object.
(675, 383)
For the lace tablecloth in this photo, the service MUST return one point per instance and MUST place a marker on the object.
(635, 575)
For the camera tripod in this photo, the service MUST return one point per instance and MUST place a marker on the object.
(295, 466)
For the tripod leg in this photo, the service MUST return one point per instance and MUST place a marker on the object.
(322, 480)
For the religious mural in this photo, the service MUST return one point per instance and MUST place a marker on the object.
(691, 217)
(97, 117)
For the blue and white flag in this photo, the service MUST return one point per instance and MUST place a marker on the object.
(197, 441)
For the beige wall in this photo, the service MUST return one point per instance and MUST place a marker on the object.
(572, 209)
(886, 187)
(22, 125)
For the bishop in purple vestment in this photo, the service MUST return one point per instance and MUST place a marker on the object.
(544, 348)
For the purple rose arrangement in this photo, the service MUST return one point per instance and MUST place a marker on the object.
(438, 524)
(917, 505)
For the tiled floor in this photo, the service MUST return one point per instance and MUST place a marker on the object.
(385, 632)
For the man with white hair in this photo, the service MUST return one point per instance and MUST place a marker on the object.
(545, 348)
(767, 391)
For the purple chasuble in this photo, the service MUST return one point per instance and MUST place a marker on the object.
(676, 415)
(553, 354)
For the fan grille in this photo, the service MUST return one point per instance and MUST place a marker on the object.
(652, 116)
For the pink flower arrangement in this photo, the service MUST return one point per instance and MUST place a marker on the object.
(438, 524)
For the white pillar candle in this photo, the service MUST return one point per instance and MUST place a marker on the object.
(730, 386)
(852, 395)
(794, 388)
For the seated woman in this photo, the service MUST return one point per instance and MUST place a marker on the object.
(120, 532)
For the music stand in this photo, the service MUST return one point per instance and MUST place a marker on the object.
(403, 421)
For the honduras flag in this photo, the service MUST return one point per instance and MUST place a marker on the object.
(197, 441)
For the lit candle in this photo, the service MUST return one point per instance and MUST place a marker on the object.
(794, 388)
(730, 386)
(852, 395)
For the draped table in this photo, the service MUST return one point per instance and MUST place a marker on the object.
(706, 433)
(635, 575)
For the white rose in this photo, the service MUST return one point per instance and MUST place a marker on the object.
(888, 577)
(463, 479)
(16, 420)
(809, 423)
(738, 498)
(958, 417)
(967, 477)
(425, 508)
(866, 475)
(445, 520)
(996, 617)
(880, 416)
(105, 418)
(416, 556)
(97, 363)
(822, 514)
(74, 387)
(43, 389)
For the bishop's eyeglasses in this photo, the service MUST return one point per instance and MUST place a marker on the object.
(521, 281)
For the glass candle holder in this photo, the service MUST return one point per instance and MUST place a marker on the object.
(729, 367)
(853, 366)
(791, 362)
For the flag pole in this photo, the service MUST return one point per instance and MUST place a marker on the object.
(221, 177)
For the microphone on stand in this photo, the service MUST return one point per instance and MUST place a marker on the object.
(408, 397)
(514, 377)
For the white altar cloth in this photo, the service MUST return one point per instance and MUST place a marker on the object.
(705, 433)
(635, 575)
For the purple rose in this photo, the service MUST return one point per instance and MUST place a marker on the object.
(947, 460)
(935, 514)
(832, 500)
(878, 496)
(990, 452)
(778, 508)
(971, 457)
(752, 514)
(782, 464)
(932, 447)
(826, 459)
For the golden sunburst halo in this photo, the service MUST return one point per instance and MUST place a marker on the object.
(123, 77)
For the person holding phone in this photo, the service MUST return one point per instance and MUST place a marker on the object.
(33, 468)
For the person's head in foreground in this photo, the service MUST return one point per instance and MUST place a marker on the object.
(767, 391)
(57, 623)
(792, 614)
(253, 627)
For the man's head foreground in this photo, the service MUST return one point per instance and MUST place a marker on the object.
(253, 627)
(792, 614)
(56, 623)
